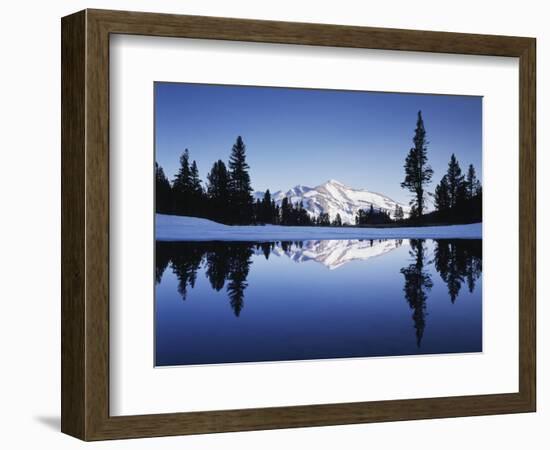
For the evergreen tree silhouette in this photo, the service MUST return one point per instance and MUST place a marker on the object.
(182, 186)
(218, 192)
(418, 172)
(398, 213)
(163, 192)
(442, 200)
(473, 186)
(286, 212)
(197, 205)
(267, 214)
(239, 186)
(324, 220)
(257, 212)
(455, 181)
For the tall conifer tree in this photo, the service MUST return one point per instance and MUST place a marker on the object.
(163, 191)
(418, 172)
(218, 191)
(442, 200)
(240, 188)
(473, 186)
(181, 186)
(197, 192)
(266, 208)
(455, 181)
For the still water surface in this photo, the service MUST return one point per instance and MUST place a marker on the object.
(227, 302)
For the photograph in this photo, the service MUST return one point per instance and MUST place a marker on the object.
(297, 224)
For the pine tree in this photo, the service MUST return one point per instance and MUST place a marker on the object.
(267, 208)
(197, 192)
(324, 220)
(442, 200)
(455, 181)
(337, 220)
(239, 187)
(398, 213)
(182, 187)
(418, 172)
(258, 212)
(218, 192)
(276, 213)
(286, 211)
(196, 186)
(473, 186)
(163, 191)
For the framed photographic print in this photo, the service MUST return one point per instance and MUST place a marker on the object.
(270, 224)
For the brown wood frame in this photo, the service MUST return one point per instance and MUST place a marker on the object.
(85, 224)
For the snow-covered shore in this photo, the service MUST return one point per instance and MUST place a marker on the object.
(178, 228)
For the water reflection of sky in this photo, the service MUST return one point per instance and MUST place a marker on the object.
(397, 303)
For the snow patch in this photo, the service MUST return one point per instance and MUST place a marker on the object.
(180, 228)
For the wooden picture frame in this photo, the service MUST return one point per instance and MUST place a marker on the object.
(85, 224)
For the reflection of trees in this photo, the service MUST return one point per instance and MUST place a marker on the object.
(162, 258)
(217, 266)
(417, 283)
(286, 246)
(266, 248)
(185, 264)
(239, 265)
(458, 261)
(223, 262)
(227, 264)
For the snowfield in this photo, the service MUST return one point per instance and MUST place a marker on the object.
(179, 228)
(333, 197)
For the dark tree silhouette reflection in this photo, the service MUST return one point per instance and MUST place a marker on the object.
(185, 264)
(217, 266)
(223, 262)
(239, 266)
(458, 261)
(162, 259)
(417, 283)
(227, 265)
(266, 248)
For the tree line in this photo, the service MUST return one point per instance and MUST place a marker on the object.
(227, 197)
(457, 197)
(378, 216)
(228, 194)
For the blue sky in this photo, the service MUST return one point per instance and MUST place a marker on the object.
(307, 136)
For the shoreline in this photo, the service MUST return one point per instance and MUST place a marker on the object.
(184, 228)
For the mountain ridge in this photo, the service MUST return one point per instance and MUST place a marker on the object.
(334, 197)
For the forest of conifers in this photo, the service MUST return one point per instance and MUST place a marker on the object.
(226, 197)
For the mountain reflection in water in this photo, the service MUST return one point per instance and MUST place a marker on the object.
(447, 267)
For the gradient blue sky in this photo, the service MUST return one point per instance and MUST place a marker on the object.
(306, 136)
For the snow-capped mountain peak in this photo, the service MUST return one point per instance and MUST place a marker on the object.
(334, 197)
(336, 253)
